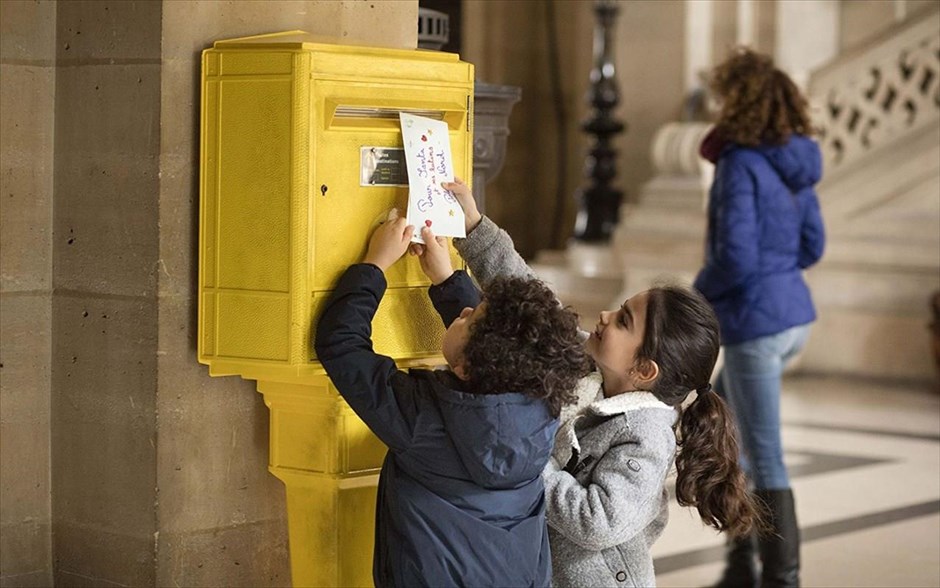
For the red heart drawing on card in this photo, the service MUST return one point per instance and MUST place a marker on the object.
(427, 223)
(424, 137)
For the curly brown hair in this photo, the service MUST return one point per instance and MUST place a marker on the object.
(525, 342)
(682, 337)
(760, 104)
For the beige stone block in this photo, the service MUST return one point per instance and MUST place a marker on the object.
(190, 27)
(216, 476)
(89, 556)
(209, 476)
(40, 579)
(181, 87)
(103, 478)
(107, 173)
(26, 180)
(25, 552)
(79, 581)
(249, 555)
(108, 110)
(24, 487)
(104, 361)
(27, 31)
(106, 231)
(26, 230)
(27, 99)
(90, 30)
(104, 437)
(179, 230)
(25, 357)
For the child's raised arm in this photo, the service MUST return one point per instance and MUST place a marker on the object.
(450, 291)
(468, 203)
(487, 249)
(370, 383)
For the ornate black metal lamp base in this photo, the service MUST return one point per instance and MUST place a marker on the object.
(599, 204)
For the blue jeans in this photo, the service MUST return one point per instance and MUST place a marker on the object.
(750, 383)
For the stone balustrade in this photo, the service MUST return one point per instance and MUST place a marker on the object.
(880, 93)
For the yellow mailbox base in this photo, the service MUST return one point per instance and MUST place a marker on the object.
(329, 462)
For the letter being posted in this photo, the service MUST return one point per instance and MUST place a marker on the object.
(429, 162)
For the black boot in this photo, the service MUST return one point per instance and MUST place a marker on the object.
(780, 546)
(740, 567)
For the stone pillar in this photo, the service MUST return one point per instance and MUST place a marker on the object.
(105, 317)
(698, 19)
(27, 70)
(159, 473)
(222, 514)
(816, 24)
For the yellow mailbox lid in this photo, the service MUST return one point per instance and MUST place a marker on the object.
(303, 40)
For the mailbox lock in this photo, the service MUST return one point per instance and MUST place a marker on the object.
(323, 189)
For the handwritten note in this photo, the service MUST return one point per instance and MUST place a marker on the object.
(427, 156)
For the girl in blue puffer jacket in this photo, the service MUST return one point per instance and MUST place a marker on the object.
(764, 229)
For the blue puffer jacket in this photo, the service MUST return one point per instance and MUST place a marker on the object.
(764, 229)
(461, 500)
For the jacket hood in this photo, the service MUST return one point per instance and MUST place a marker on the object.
(798, 161)
(503, 440)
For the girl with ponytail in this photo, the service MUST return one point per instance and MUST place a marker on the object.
(605, 485)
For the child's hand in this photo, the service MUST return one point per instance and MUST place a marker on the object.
(472, 216)
(434, 256)
(389, 242)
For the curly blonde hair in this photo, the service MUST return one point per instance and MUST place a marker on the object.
(760, 104)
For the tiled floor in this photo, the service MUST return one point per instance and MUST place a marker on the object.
(865, 466)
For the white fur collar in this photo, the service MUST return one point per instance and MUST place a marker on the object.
(589, 390)
(626, 402)
(590, 393)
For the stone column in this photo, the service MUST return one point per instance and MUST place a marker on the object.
(159, 473)
(816, 24)
(222, 514)
(662, 233)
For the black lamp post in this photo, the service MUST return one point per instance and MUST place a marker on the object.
(599, 204)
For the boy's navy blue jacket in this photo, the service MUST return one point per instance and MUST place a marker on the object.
(764, 229)
(460, 497)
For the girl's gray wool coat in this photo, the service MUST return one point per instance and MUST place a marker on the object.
(605, 487)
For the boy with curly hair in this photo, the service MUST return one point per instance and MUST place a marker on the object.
(460, 498)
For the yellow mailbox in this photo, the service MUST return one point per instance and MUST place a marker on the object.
(300, 159)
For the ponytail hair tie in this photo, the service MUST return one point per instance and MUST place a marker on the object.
(704, 389)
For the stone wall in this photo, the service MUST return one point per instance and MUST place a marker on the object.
(861, 20)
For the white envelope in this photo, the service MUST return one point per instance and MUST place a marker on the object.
(429, 162)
